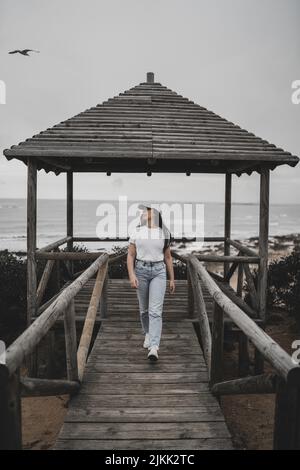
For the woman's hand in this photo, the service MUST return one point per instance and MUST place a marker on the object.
(134, 281)
(172, 287)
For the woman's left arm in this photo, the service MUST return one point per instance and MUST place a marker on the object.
(169, 263)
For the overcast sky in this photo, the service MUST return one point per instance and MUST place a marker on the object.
(235, 57)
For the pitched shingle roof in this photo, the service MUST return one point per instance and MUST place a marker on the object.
(149, 128)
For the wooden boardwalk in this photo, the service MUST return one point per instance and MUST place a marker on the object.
(127, 402)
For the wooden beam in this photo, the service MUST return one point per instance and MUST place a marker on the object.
(287, 417)
(70, 215)
(265, 383)
(31, 238)
(263, 241)
(243, 249)
(44, 281)
(251, 286)
(70, 341)
(227, 219)
(69, 255)
(90, 319)
(45, 388)
(272, 352)
(52, 246)
(10, 410)
(205, 332)
(224, 259)
(216, 371)
(103, 298)
(31, 337)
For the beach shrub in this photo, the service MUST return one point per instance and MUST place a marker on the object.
(12, 294)
(283, 284)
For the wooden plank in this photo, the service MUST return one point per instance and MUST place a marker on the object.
(145, 367)
(132, 401)
(145, 444)
(136, 377)
(169, 430)
(92, 388)
(146, 414)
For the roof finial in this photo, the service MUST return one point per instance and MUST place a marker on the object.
(150, 77)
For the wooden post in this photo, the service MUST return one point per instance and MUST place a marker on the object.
(31, 238)
(103, 298)
(71, 343)
(244, 359)
(190, 293)
(216, 371)
(31, 361)
(287, 417)
(10, 410)
(70, 216)
(263, 241)
(227, 219)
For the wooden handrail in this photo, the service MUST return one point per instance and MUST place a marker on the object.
(242, 248)
(30, 338)
(53, 245)
(217, 258)
(205, 333)
(271, 351)
(86, 335)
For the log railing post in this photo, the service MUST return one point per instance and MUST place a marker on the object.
(227, 219)
(287, 417)
(243, 359)
(263, 241)
(103, 298)
(10, 410)
(216, 370)
(70, 217)
(190, 292)
(71, 343)
(31, 361)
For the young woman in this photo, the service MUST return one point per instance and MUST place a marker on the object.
(148, 260)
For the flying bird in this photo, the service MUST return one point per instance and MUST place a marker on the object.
(23, 52)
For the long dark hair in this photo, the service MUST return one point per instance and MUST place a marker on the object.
(167, 234)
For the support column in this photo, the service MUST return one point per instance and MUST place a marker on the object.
(70, 215)
(31, 238)
(263, 241)
(227, 218)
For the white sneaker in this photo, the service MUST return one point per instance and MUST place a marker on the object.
(146, 341)
(153, 354)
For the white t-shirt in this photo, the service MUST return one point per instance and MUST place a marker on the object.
(149, 243)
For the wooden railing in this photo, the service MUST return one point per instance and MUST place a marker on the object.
(284, 381)
(12, 385)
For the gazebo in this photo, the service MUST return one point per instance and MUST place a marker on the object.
(148, 128)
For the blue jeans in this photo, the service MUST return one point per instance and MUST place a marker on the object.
(151, 290)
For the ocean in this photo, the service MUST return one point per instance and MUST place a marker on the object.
(51, 225)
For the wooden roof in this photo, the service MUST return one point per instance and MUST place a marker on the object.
(149, 128)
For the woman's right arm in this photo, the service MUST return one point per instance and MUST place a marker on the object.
(130, 265)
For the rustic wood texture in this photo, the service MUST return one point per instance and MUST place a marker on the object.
(227, 219)
(149, 127)
(127, 402)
